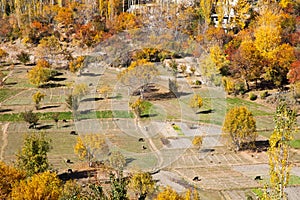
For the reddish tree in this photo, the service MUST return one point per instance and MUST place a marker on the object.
(294, 73)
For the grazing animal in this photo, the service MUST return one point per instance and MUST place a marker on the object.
(73, 133)
(68, 161)
(196, 178)
(258, 178)
(64, 120)
(144, 147)
(141, 140)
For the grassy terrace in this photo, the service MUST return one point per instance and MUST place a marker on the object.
(15, 117)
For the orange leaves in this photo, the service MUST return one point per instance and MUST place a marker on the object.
(64, 15)
(294, 73)
(126, 21)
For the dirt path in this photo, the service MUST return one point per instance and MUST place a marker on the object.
(4, 139)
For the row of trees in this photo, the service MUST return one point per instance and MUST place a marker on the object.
(30, 178)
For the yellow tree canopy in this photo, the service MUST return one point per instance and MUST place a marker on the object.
(40, 186)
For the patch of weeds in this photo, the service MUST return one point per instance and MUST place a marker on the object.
(258, 192)
(295, 144)
(178, 130)
(294, 180)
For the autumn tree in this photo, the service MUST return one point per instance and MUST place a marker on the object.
(239, 128)
(196, 101)
(197, 141)
(9, 177)
(142, 184)
(3, 54)
(49, 47)
(279, 151)
(206, 10)
(80, 89)
(40, 74)
(90, 145)
(278, 56)
(241, 13)
(37, 98)
(64, 15)
(44, 185)
(173, 86)
(169, 194)
(33, 156)
(126, 21)
(118, 187)
(294, 72)
(31, 118)
(138, 107)
(71, 190)
(139, 73)
(72, 102)
(247, 63)
(76, 64)
(117, 161)
(105, 90)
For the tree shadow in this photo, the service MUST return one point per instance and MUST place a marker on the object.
(262, 145)
(180, 94)
(207, 150)
(47, 107)
(51, 85)
(77, 174)
(5, 110)
(90, 74)
(129, 160)
(44, 127)
(12, 83)
(92, 99)
(206, 111)
(148, 115)
(57, 79)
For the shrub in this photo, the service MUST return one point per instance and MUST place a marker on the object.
(197, 141)
(23, 57)
(252, 96)
(264, 94)
(197, 82)
(240, 88)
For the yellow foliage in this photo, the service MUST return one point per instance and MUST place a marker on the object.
(239, 127)
(9, 177)
(142, 183)
(76, 64)
(64, 15)
(40, 186)
(169, 194)
(87, 145)
(80, 149)
(3, 54)
(40, 73)
(196, 101)
(218, 57)
(37, 97)
(197, 141)
(105, 90)
(80, 89)
(228, 84)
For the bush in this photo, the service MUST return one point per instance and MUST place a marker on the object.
(23, 57)
(264, 94)
(197, 82)
(240, 88)
(197, 141)
(252, 96)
